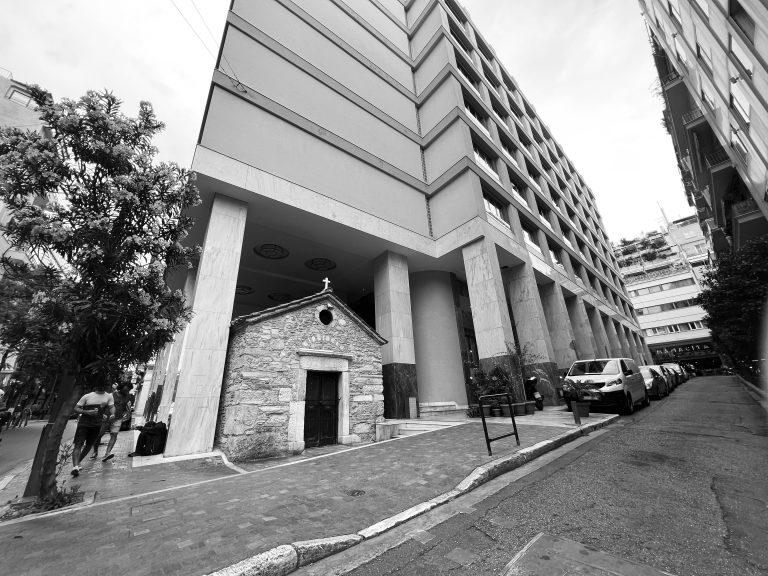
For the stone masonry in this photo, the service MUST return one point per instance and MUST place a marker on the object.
(261, 412)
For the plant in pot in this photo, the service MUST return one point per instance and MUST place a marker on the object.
(575, 392)
(493, 381)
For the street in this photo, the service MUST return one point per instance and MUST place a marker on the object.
(679, 486)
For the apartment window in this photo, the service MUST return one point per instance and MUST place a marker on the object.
(485, 161)
(478, 118)
(517, 194)
(508, 152)
(741, 56)
(739, 103)
(674, 10)
(742, 19)
(705, 57)
(707, 98)
(494, 208)
(499, 112)
(738, 143)
(544, 217)
(21, 98)
(455, 11)
(556, 259)
(529, 236)
(468, 77)
(463, 44)
(703, 6)
(680, 51)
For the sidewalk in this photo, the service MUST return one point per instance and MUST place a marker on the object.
(214, 517)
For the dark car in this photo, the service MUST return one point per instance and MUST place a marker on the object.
(655, 383)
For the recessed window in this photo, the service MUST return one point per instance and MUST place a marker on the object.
(705, 57)
(486, 162)
(703, 6)
(467, 76)
(707, 98)
(529, 236)
(739, 103)
(494, 208)
(21, 98)
(325, 316)
(738, 143)
(680, 51)
(742, 19)
(674, 10)
(478, 118)
(741, 56)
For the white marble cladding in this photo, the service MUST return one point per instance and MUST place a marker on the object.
(263, 396)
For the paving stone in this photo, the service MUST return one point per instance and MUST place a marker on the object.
(306, 500)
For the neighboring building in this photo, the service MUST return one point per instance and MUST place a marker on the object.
(16, 109)
(663, 272)
(711, 57)
(381, 144)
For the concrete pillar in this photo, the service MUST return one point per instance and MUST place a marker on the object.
(171, 371)
(199, 387)
(584, 339)
(392, 294)
(558, 324)
(626, 349)
(490, 315)
(602, 349)
(439, 369)
(632, 346)
(532, 331)
(614, 344)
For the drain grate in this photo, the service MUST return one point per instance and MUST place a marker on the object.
(355, 492)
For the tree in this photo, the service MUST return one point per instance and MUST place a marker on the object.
(734, 296)
(104, 224)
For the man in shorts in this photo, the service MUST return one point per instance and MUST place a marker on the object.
(94, 408)
(122, 413)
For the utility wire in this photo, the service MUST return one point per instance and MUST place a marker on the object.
(236, 82)
(193, 30)
(224, 56)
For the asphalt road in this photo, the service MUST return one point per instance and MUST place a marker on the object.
(18, 445)
(679, 486)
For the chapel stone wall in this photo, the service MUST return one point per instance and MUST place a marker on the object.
(264, 385)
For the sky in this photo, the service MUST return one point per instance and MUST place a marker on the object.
(585, 65)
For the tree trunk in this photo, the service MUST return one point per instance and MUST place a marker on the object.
(42, 478)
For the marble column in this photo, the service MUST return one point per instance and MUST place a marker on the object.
(632, 346)
(613, 338)
(558, 324)
(490, 315)
(584, 339)
(603, 349)
(439, 368)
(171, 372)
(532, 330)
(197, 394)
(392, 297)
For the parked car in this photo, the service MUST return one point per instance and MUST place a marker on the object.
(617, 383)
(655, 383)
(681, 376)
(669, 376)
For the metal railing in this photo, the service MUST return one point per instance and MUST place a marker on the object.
(716, 157)
(692, 115)
(670, 78)
(744, 207)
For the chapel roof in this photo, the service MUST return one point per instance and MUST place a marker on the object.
(255, 317)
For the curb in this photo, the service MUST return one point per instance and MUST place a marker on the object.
(88, 499)
(288, 558)
(759, 395)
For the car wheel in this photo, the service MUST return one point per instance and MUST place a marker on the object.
(646, 400)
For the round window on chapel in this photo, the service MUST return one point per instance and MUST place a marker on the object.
(326, 317)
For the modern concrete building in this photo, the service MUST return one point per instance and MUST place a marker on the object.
(663, 272)
(18, 110)
(381, 144)
(712, 59)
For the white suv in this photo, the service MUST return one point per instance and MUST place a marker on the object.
(615, 382)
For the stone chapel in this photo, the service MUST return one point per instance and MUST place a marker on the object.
(305, 373)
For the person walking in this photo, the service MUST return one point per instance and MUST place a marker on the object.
(122, 412)
(94, 408)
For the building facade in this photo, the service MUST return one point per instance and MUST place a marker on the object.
(712, 60)
(381, 144)
(663, 272)
(16, 110)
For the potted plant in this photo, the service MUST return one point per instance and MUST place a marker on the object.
(493, 381)
(576, 391)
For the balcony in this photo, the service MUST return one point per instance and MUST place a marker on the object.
(691, 116)
(670, 79)
(716, 157)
